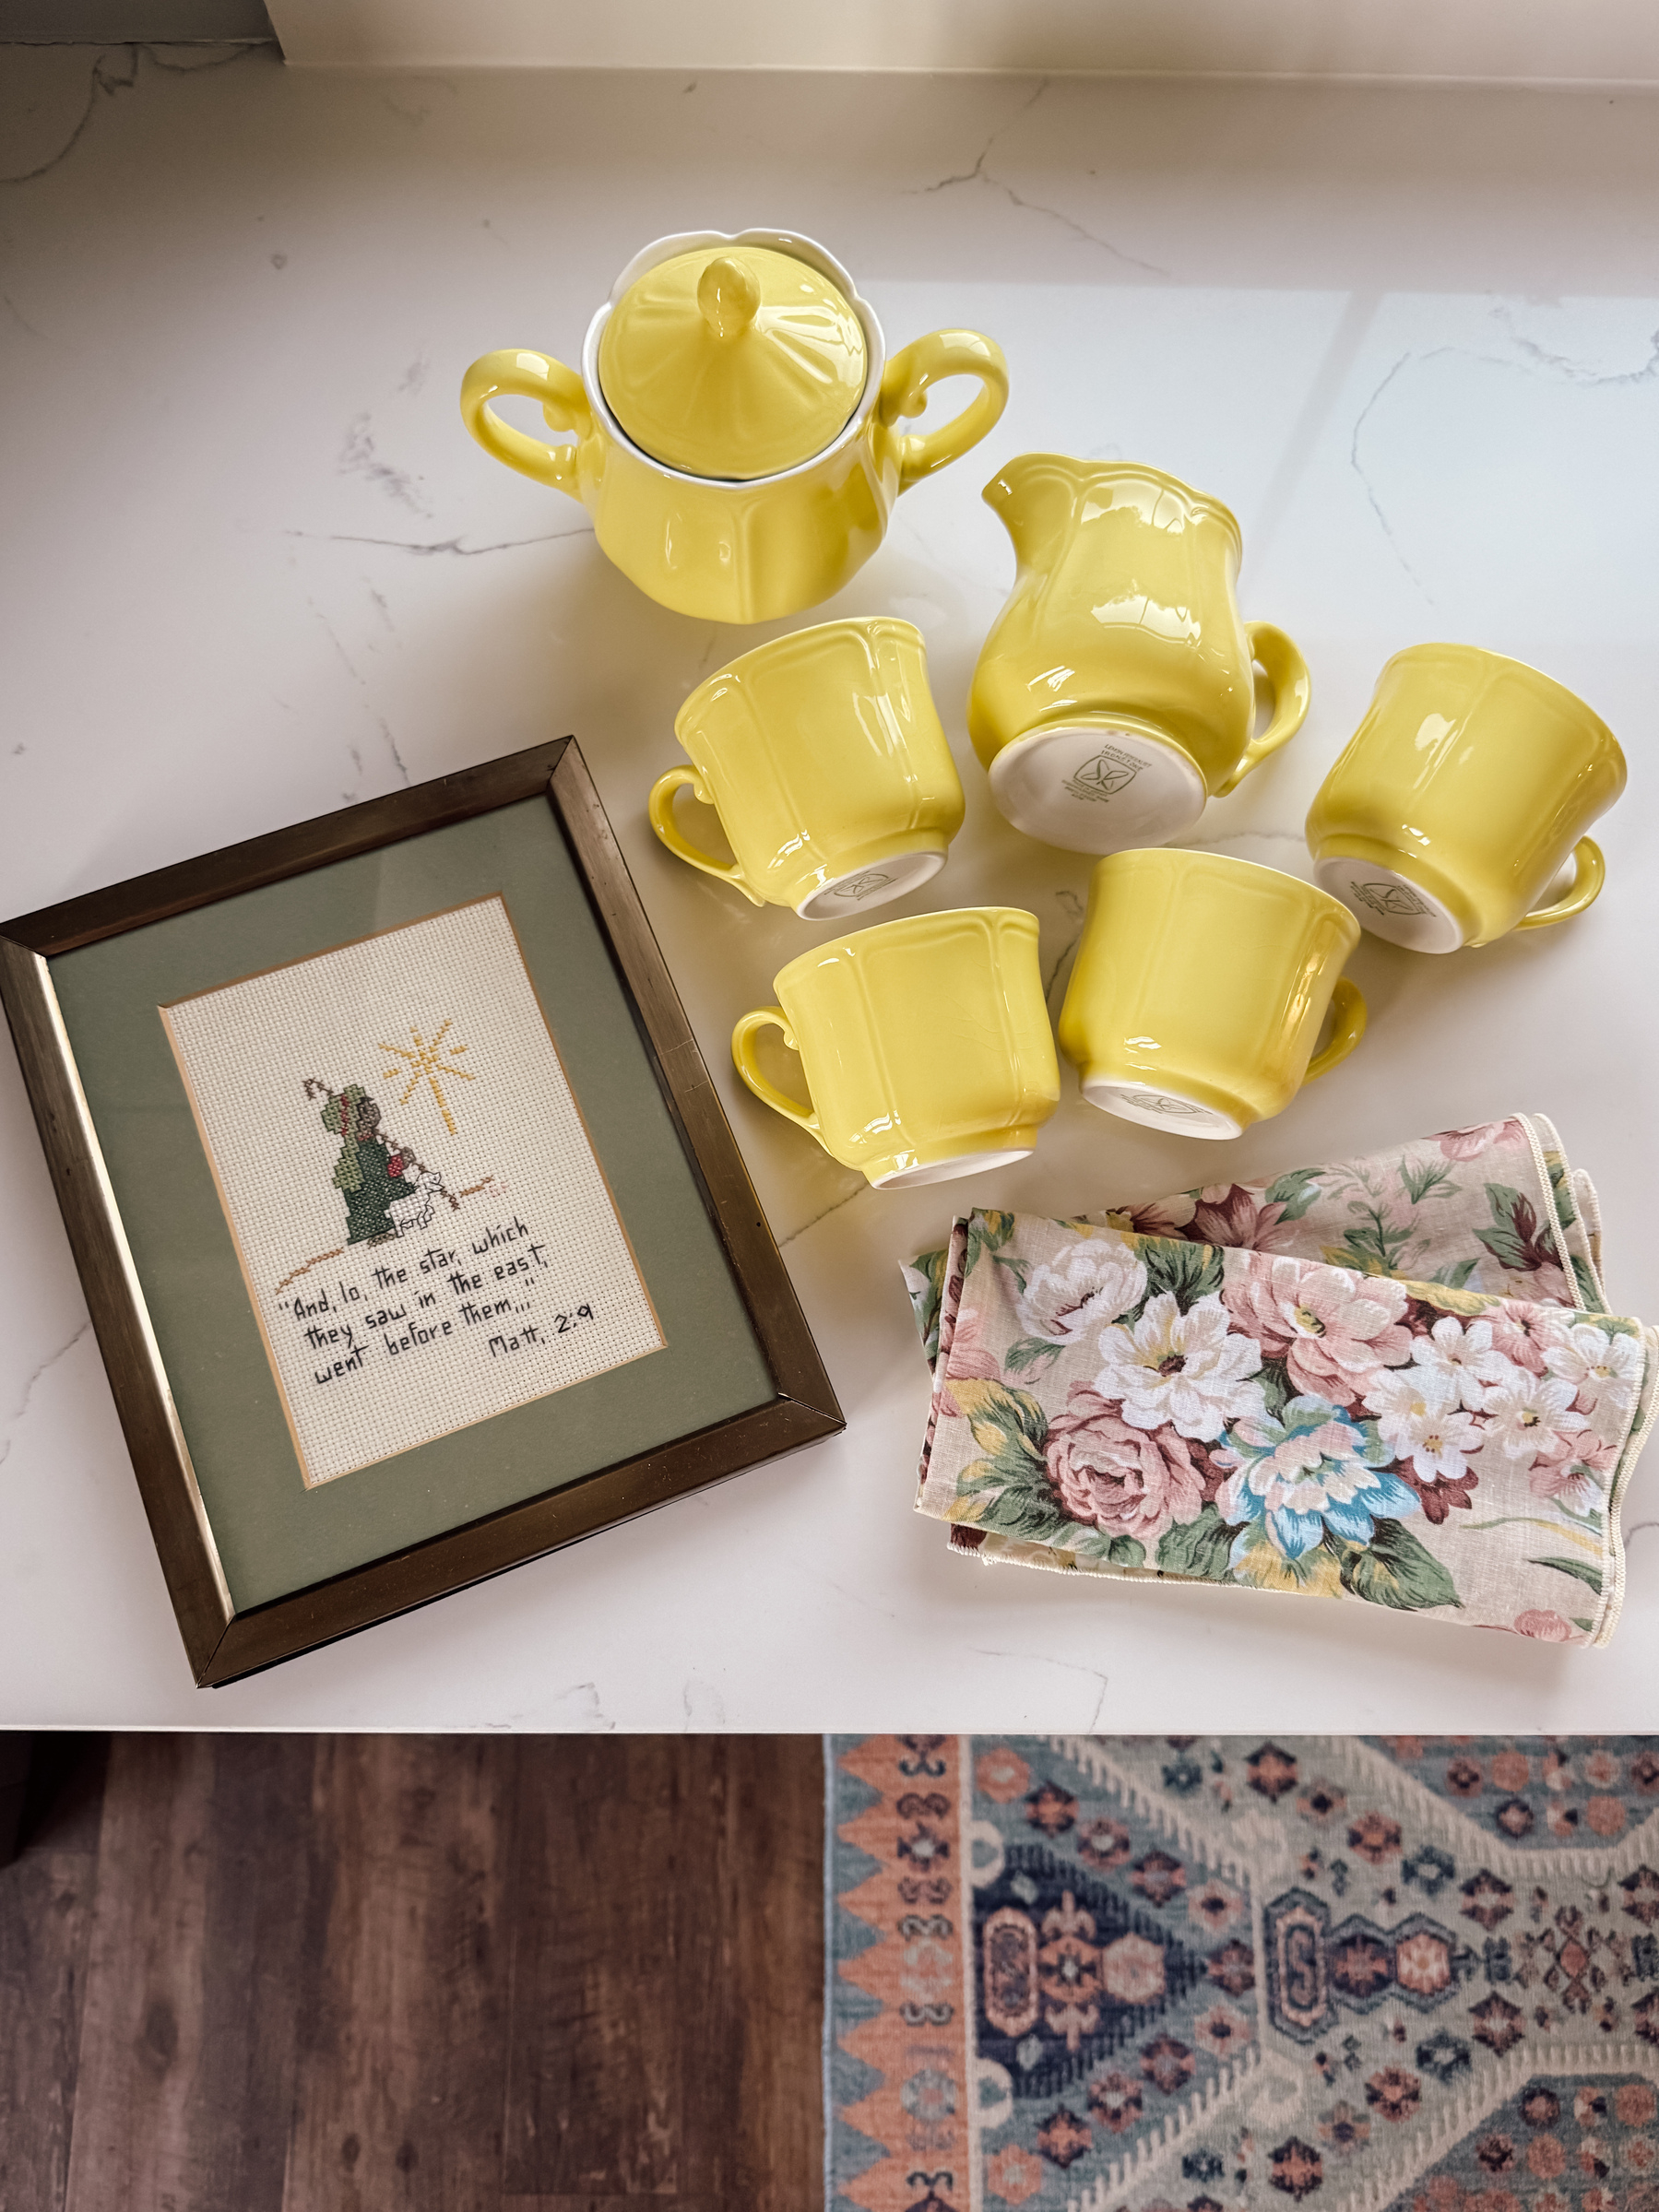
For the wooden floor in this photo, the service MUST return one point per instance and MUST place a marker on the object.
(337, 1974)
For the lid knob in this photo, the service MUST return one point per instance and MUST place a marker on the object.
(733, 363)
(728, 296)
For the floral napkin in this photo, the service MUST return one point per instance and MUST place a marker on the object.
(1392, 1380)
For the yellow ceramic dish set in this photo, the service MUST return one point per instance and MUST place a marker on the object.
(1462, 798)
(1116, 692)
(924, 1045)
(737, 430)
(823, 755)
(737, 436)
(1200, 990)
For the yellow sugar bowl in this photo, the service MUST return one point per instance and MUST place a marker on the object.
(924, 1043)
(1116, 691)
(737, 428)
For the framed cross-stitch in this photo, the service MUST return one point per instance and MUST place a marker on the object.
(413, 1234)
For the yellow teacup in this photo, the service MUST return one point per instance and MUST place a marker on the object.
(1116, 691)
(1460, 799)
(1200, 990)
(823, 757)
(925, 1045)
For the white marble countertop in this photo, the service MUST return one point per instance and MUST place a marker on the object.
(254, 568)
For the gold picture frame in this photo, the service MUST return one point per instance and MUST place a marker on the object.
(225, 1635)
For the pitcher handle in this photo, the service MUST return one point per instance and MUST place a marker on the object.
(927, 361)
(660, 808)
(1292, 694)
(748, 1067)
(520, 374)
(1591, 874)
(1348, 1026)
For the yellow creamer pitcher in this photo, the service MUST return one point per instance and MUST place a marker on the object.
(1116, 691)
(737, 429)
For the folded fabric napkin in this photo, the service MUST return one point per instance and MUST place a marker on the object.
(1393, 1379)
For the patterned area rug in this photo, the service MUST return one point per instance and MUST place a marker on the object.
(1075, 1974)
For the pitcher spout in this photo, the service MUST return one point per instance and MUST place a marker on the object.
(1034, 497)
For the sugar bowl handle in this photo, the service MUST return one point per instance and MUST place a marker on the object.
(518, 373)
(928, 360)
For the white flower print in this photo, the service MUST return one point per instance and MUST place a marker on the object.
(1605, 1374)
(1530, 1416)
(1183, 1368)
(1090, 1282)
(1466, 1357)
(1421, 1419)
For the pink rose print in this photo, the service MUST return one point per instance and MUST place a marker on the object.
(1525, 1334)
(1480, 1136)
(966, 1359)
(1547, 1628)
(1333, 1329)
(1129, 1482)
(1581, 1476)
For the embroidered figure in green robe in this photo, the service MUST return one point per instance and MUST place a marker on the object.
(368, 1174)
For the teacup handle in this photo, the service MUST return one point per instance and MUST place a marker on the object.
(1348, 1026)
(1586, 887)
(1292, 694)
(520, 374)
(660, 807)
(748, 1067)
(927, 361)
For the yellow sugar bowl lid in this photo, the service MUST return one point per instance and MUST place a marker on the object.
(734, 361)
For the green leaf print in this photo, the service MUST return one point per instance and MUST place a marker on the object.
(1455, 1273)
(1580, 1570)
(1189, 1271)
(1395, 1570)
(1030, 1516)
(1200, 1549)
(1515, 1237)
(1434, 1174)
(1376, 1246)
(1112, 1551)
(1294, 1192)
(1029, 1352)
(925, 1302)
(986, 1235)
(1278, 1390)
(1010, 1426)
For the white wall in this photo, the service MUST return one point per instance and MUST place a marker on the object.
(1574, 41)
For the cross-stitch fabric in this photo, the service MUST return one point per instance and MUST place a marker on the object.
(424, 1229)
(1392, 1380)
(1201, 1974)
